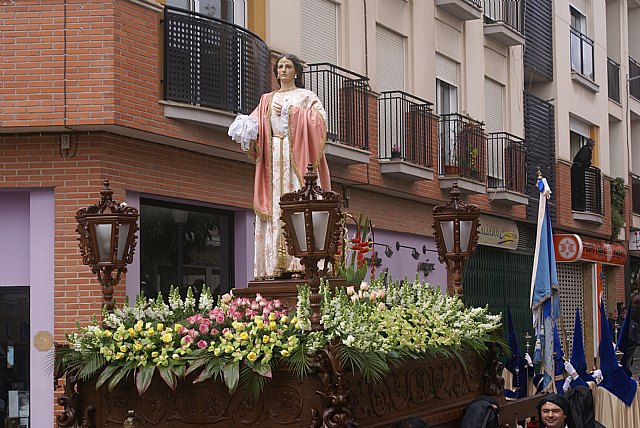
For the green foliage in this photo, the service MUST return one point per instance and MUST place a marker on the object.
(617, 207)
(352, 264)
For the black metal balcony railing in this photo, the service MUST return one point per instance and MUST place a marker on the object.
(405, 128)
(508, 12)
(587, 189)
(634, 85)
(635, 193)
(581, 54)
(345, 96)
(477, 3)
(462, 147)
(212, 63)
(506, 162)
(613, 80)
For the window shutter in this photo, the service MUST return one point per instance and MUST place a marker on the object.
(390, 60)
(446, 70)
(319, 31)
(493, 106)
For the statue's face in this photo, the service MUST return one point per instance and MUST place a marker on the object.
(286, 71)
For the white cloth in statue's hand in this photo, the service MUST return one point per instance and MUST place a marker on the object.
(527, 358)
(567, 384)
(243, 130)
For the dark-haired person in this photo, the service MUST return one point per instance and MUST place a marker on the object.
(554, 412)
(282, 135)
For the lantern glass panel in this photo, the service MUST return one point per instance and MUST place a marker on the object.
(320, 225)
(123, 234)
(103, 235)
(465, 234)
(447, 233)
(300, 229)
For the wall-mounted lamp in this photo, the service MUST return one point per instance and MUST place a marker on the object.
(388, 251)
(414, 252)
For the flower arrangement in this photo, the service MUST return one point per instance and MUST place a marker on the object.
(352, 264)
(242, 340)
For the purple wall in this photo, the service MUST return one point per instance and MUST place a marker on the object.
(401, 264)
(14, 238)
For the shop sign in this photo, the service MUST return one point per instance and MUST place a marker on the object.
(499, 233)
(572, 248)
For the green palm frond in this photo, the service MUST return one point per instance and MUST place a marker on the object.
(372, 365)
(299, 361)
(251, 383)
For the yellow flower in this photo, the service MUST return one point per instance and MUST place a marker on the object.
(160, 326)
(265, 338)
(284, 319)
(108, 333)
(228, 335)
(177, 328)
(132, 332)
(244, 335)
(119, 356)
(123, 348)
(272, 316)
(284, 353)
(137, 346)
(252, 356)
(167, 337)
(154, 354)
(138, 326)
(272, 325)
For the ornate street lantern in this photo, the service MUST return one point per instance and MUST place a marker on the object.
(311, 218)
(456, 234)
(107, 240)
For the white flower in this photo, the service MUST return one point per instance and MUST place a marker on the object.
(351, 290)
(364, 286)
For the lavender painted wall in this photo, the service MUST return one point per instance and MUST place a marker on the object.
(14, 238)
(42, 275)
(401, 264)
(26, 259)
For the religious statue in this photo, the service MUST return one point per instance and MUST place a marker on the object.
(285, 132)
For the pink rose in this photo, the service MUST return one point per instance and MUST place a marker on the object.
(204, 329)
(214, 331)
(220, 319)
(202, 344)
(193, 333)
(187, 339)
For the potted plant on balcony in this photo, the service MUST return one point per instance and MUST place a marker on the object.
(396, 153)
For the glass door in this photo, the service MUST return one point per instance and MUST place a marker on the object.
(14, 357)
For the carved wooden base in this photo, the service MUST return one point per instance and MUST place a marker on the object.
(434, 390)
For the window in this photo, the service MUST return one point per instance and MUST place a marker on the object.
(14, 356)
(390, 60)
(320, 31)
(232, 11)
(578, 20)
(446, 85)
(186, 246)
(578, 135)
(581, 45)
(576, 142)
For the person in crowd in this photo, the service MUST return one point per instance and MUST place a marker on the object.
(554, 412)
(583, 157)
(612, 317)
(286, 132)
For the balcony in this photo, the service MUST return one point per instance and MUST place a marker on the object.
(587, 201)
(345, 96)
(465, 10)
(463, 156)
(212, 69)
(503, 21)
(613, 80)
(634, 85)
(582, 71)
(406, 127)
(507, 169)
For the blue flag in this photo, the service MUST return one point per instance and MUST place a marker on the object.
(515, 384)
(544, 301)
(615, 379)
(558, 360)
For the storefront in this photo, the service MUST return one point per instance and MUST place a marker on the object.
(589, 270)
